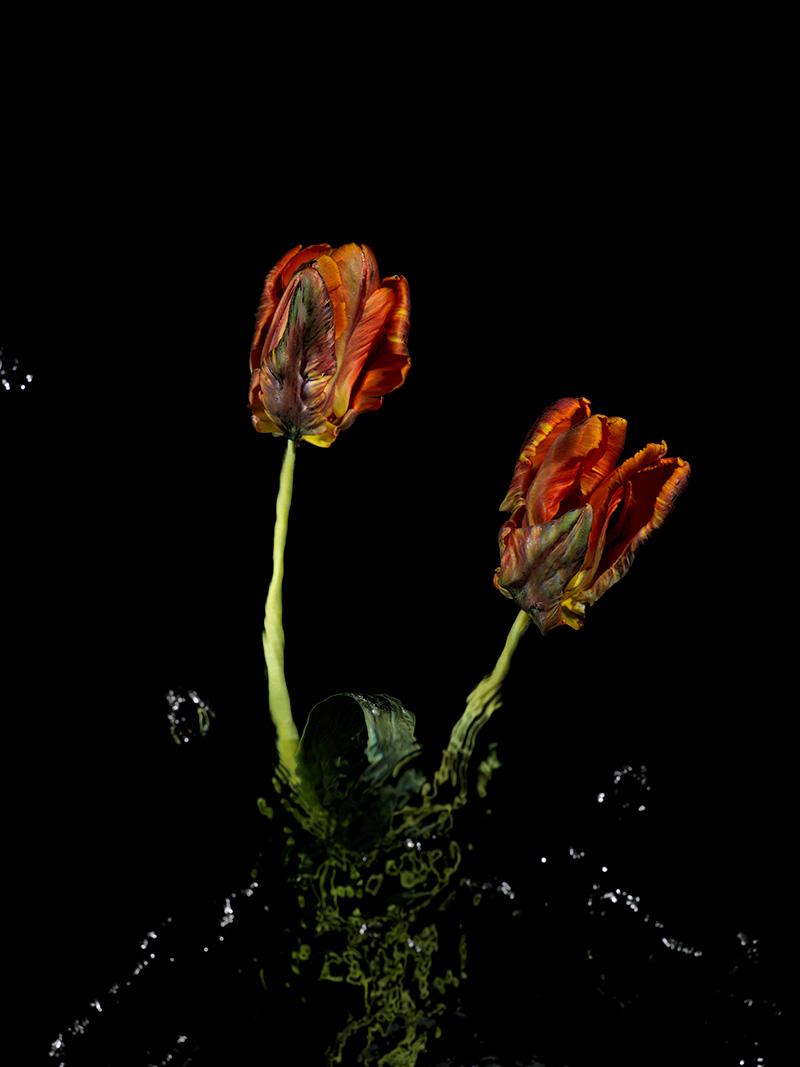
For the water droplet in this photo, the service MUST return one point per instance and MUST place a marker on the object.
(189, 716)
(675, 945)
(13, 376)
(227, 913)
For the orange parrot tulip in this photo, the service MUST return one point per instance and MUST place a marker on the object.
(330, 342)
(576, 518)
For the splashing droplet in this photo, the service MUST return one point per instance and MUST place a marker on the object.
(189, 716)
(13, 376)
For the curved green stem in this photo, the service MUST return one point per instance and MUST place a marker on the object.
(503, 665)
(482, 702)
(280, 707)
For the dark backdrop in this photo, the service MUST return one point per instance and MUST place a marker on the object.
(139, 506)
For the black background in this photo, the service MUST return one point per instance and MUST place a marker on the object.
(139, 506)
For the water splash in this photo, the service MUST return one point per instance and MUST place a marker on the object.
(189, 716)
(82, 1026)
(629, 944)
(177, 1056)
(387, 932)
(376, 893)
(162, 953)
(13, 376)
(629, 790)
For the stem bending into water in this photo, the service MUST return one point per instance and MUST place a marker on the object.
(482, 702)
(280, 707)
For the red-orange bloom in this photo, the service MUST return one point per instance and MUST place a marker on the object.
(330, 342)
(576, 518)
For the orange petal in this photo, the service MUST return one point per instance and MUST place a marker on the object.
(386, 367)
(645, 457)
(597, 539)
(359, 279)
(553, 422)
(603, 464)
(400, 320)
(270, 296)
(362, 341)
(651, 492)
(603, 504)
(574, 464)
(372, 278)
(305, 256)
(329, 270)
(605, 494)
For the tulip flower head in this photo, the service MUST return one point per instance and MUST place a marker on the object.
(576, 519)
(330, 342)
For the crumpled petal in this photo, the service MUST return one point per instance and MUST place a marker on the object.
(537, 563)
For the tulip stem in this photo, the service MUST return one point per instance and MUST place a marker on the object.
(501, 668)
(280, 707)
(482, 702)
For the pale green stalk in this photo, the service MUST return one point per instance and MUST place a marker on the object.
(482, 702)
(280, 707)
